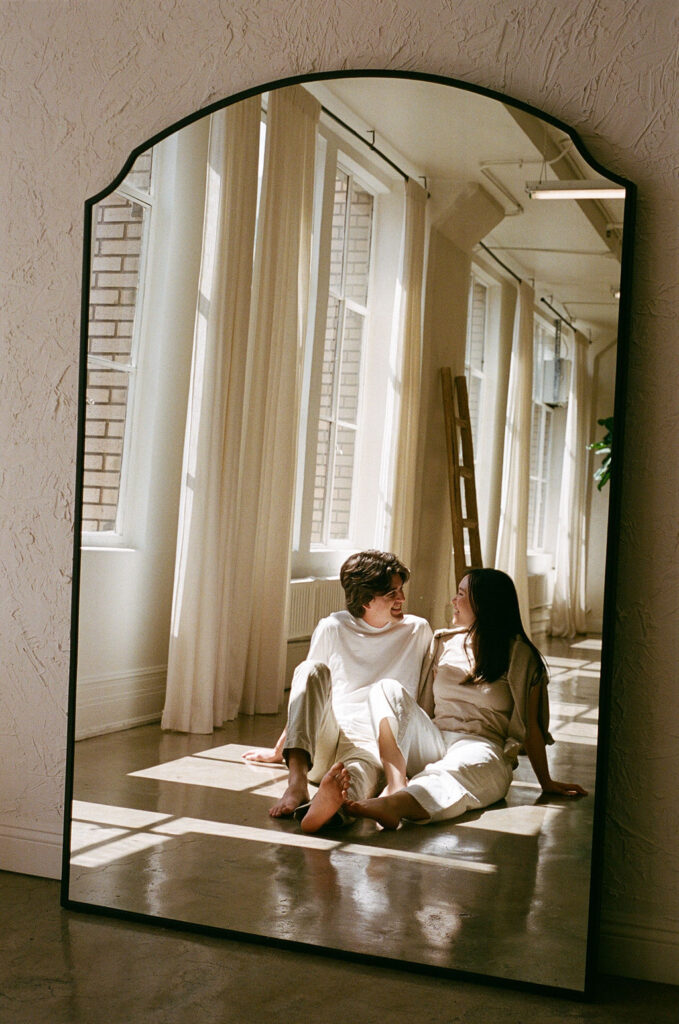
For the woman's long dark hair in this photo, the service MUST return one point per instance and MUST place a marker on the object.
(494, 601)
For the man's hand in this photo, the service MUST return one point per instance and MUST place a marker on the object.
(264, 755)
(268, 755)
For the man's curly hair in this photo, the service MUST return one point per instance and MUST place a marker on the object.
(369, 574)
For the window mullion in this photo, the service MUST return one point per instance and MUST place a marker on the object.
(332, 449)
(537, 530)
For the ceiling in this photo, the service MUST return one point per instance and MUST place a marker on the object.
(568, 249)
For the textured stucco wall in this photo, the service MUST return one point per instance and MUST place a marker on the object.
(83, 83)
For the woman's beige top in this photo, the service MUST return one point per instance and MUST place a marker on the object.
(523, 674)
(481, 709)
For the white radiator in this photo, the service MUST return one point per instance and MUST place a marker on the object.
(310, 600)
(540, 589)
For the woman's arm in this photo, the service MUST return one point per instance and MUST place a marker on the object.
(534, 744)
(268, 755)
(425, 693)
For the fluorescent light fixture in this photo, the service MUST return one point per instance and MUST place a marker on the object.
(574, 190)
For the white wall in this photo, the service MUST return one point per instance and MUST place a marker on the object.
(83, 85)
(126, 591)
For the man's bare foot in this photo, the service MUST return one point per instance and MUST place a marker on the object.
(328, 800)
(295, 794)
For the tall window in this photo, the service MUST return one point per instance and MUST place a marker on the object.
(119, 237)
(475, 352)
(342, 356)
(541, 439)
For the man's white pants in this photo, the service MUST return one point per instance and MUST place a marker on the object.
(449, 772)
(313, 727)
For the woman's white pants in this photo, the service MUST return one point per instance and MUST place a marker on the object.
(449, 772)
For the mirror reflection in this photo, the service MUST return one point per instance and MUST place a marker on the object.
(275, 290)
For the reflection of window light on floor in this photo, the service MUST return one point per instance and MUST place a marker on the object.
(593, 713)
(177, 828)
(555, 662)
(590, 643)
(577, 732)
(517, 821)
(103, 833)
(233, 752)
(106, 851)
(107, 814)
(440, 924)
(84, 835)
(564, 709)
(210, 772)
(191, 826)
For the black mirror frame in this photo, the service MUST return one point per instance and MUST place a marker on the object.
(610, 580)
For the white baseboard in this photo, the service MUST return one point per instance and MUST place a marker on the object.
(29, 851)
(109, 703)
(636, 949)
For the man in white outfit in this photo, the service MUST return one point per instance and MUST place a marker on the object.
(329, 738)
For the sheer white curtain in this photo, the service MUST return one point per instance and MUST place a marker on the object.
(569, 604)
(410, 342)
(512, 544)
(196, 679)
(261, 569)
(227, 648)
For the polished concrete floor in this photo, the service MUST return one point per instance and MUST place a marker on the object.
(177, 827)
(60, 967)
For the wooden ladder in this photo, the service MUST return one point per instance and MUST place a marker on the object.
(463, 506)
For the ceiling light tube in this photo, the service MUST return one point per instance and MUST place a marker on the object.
(574, 190)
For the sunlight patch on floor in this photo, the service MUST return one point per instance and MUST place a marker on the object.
(103, 850)
(213, 774)
(106, 845)
(577, 732)
(516, 821)
(590, 643)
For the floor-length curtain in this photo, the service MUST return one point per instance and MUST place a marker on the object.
(511, 555)
(410, 328)
(569, 604)
(261, 569)
(227, 652)
(196, 693)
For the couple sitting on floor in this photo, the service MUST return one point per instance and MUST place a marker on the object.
(441, 718)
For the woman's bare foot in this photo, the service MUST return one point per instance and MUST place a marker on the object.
(328, 800)
(387, 811)
(392, 788)
(296, 794)
(378, 809)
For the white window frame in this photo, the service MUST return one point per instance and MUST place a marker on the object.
(471, 371)
(335, 423)
(538, 475)
(322, 560)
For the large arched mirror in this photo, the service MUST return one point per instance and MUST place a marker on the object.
(274, 287)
